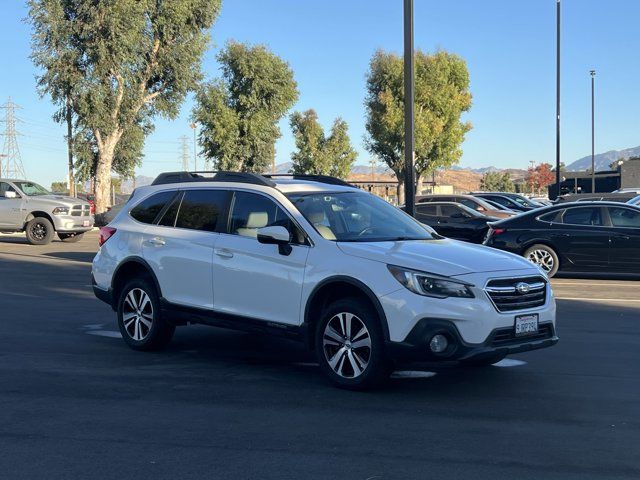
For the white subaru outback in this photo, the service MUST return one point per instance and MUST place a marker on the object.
(312, 258)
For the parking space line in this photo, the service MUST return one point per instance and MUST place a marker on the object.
(590, 299)
(590, 284)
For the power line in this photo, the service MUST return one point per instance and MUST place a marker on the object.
(11, 161)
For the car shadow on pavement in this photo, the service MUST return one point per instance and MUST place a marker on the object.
(86, 257)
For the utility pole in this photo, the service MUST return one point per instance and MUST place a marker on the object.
(410, 173)
(13, 167)
(557, 98)
(195, 151)
(185, 153)
(593, 131)
(72, 178)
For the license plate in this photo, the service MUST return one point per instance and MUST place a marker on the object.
(526, 325)
(86, 223)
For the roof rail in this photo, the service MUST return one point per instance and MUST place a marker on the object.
(212, 176)
(313, 178)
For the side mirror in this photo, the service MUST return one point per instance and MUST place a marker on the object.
(276, 235)
(10, 194)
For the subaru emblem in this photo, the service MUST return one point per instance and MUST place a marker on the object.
(523, 288)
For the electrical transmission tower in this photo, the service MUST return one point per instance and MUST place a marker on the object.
(10, 160)
(186, 155)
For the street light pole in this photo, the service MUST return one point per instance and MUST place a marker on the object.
(410, 174)
(557, 98)
(593, 131)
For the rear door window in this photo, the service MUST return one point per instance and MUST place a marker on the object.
(202, 210)
(624, 217)
(582, 216)
(430, 210)
(148, 209)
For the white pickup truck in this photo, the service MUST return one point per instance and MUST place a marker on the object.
(27, 207)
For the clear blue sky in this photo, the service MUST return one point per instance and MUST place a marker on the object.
(509, 47)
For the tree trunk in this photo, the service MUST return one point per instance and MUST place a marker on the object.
(400, 193)
(103, 171)
(419, 185)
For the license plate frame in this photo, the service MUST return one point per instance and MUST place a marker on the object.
(526, 325)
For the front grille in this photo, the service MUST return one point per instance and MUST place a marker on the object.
(507, 336)
(509, 295)
(80, 211)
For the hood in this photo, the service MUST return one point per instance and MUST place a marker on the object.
(57, 200)
(444, 257)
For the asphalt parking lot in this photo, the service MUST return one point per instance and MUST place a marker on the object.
(75, 402)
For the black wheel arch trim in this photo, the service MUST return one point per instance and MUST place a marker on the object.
(354, 282)
(142, 262)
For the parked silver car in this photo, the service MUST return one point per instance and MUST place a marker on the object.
(27, 207)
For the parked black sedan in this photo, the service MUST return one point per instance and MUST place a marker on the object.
(454, 220)
(580, 237)
(513, 201)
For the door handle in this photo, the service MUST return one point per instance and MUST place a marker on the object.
(223, 252)
(157, 241)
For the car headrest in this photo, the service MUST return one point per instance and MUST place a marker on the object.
(257, 220)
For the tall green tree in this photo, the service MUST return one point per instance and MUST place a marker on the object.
(441, 97)
(239, 112)
(497, 182)
(319, 154)
(130, 60)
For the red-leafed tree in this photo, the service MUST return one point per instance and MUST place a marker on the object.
(539, 177)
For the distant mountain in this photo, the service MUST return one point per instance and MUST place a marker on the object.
(603, 160)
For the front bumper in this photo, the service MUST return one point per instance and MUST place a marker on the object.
(415, 348)
(73, 224)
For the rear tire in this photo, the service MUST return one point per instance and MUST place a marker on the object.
(350, 345)
(39, 231)
(70, 237)
(139, 316)
(545, 257)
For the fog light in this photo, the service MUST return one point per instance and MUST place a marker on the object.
(438, 343)
(69, 225)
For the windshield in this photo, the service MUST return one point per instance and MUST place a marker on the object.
(525, 202)
(31, 189)
(357, 217)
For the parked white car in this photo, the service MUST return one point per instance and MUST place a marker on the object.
(315, 259)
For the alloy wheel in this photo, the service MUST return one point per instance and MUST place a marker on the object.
(347, 345)
(38, 231)
(542, 258)
(137, 314)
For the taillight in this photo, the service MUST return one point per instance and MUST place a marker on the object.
(105, 234)
(498, 231)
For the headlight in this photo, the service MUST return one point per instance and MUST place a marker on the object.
(61, 211)
(431, 285)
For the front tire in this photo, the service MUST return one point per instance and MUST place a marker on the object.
(70, 237)
(350, 345)
(39, 231)
(545, 257)
(139, 317)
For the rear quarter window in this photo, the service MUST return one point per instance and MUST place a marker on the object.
(148, 209)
